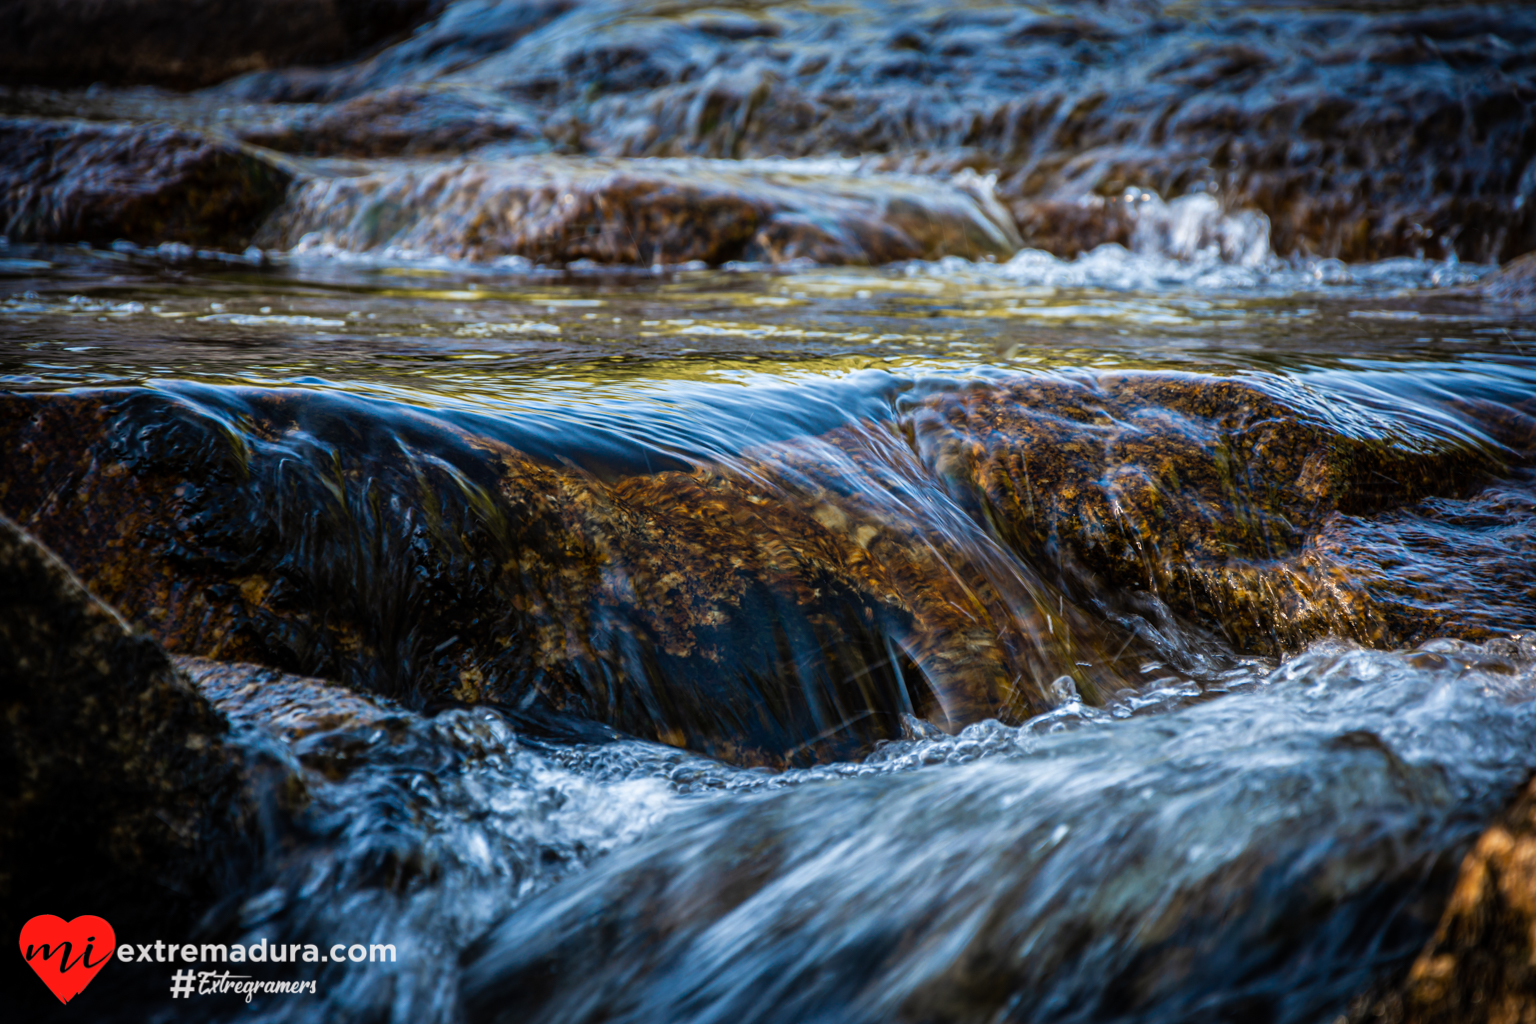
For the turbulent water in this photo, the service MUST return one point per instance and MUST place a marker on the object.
(713, 654)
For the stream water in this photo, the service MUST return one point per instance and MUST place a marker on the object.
(1218, 834)
(866, 617)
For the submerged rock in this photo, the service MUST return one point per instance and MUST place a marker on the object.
(124, 798)
(76, 181)
(187, 43)
(741, 611)
(794, 603)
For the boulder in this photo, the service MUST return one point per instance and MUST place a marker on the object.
(766, 613)
(793, 603)
(124, 796)
(79, 181)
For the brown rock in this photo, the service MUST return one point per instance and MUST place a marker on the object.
(789, 605)
(1245, 512)
(759, 612)
(76, 181)
(1480, 968)
(1070, 228)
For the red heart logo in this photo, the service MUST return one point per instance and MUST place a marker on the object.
(65, 953)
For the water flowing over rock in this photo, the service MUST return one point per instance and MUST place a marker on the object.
(733, 511)
(1355, 134)
(488, 575)
(73, 181)
(1359, 135)
(1241, 509)
(1173, 880)
(400, 121)
(787, 605)
(554, 210)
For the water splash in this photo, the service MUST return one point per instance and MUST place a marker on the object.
(1277, 848)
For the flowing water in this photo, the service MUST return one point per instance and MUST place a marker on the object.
(852, 616)
(1190, 830)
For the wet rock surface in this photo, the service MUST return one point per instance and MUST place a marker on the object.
(90, 182)
(124, 797)
(414, 558)
(187, 43)
(294, 708)
(1253, 513)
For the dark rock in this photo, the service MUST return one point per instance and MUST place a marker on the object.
(123, 797)
(77, 181)
(187, 43)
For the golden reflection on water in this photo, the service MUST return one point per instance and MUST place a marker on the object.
(430, 333)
